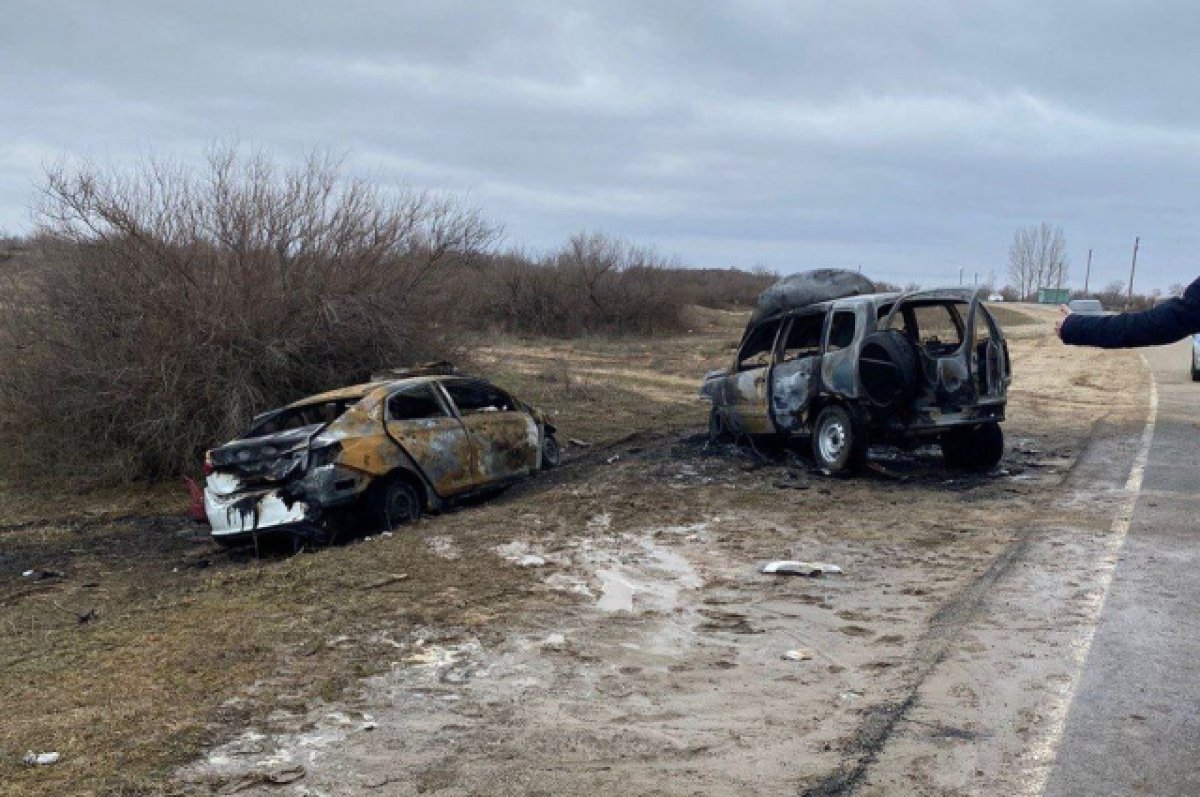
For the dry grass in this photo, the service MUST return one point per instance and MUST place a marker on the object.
(189, 643)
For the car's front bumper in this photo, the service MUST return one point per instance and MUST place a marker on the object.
(245, 514)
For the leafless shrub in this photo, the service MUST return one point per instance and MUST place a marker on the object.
(597, 284)
(172, 304)
(594, 284)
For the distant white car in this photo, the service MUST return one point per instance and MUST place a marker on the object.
(1086, 306)
(1196, 358)
(996, 297)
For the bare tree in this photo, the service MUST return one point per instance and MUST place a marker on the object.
(1037, 258)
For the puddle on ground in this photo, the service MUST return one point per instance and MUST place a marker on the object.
(651, 582)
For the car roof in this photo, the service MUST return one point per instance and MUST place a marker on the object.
(930, 294)
(360, 391)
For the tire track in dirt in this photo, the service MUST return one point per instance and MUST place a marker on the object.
(948, 624)
(932, 648)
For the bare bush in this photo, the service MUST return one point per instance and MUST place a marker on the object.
(598, 284)
(595, 283)
(172, 304)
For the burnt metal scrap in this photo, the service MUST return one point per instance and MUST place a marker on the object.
(825, 358)
(395, 447)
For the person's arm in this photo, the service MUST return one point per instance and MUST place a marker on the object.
(1166, 322)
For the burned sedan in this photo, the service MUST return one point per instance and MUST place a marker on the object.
(391, 449)
(825, 357)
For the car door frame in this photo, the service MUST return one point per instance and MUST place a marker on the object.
(794, 383)
(487, 468)
(447, 465)
(747, 408)
(953, 373)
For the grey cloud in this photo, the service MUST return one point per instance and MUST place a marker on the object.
(911, 138)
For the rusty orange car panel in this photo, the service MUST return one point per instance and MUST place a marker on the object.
(292, 476)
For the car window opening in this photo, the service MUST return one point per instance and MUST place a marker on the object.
(757, 349)
(804, 337)
(299, 417)
(414, 405)
(476, 397)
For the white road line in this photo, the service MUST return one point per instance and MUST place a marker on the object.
(1045, 750)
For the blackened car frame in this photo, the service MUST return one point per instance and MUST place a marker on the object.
(391, 449)
(825, 357)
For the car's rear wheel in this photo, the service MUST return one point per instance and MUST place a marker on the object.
(551, 451)
(976, 448)
(396, 503)
(838, 442)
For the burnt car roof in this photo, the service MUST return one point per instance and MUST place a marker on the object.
(934, 294)
(362, 390)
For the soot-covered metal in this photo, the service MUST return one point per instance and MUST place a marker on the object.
(397, 445)
(826, 358)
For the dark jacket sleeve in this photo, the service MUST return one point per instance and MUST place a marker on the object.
(1166, 322)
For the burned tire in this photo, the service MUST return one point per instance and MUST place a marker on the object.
(396, 503)
(839, 443)
(551, 452)
(888, 370)
(975, 448)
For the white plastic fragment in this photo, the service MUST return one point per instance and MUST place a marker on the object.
(790, 567)
(41, 759)
(797, 654)
(531, 560)
(555, 640)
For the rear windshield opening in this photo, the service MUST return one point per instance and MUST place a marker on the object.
(297, 417)
(936, 326)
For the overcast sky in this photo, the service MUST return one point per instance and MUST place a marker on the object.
(909, 138)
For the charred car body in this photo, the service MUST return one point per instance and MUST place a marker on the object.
(394, 448)
(826, 357)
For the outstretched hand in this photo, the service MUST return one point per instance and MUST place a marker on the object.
(1066, 311)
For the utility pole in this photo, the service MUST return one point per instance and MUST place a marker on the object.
(1087, 277)
(960, 275)
(1132, 270)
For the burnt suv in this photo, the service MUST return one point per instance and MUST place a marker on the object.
(826, 357)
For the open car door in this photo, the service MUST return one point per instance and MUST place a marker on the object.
(943, 325)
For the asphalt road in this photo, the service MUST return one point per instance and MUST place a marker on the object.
(1133, 726)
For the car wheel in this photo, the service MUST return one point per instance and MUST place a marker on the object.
(396, 503)
(551, 453)
(838, 443)
(978, 448)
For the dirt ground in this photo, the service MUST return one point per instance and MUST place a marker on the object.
(601, 626)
